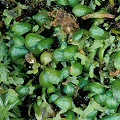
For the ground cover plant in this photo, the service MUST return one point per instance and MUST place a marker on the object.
(59, 59)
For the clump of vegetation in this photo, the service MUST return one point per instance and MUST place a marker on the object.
(60, 59)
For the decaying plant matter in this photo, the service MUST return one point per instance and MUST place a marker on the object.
(65, 20)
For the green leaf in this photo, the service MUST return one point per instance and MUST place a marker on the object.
(73, 80)
(82, 57)
(76, 69)
(22, 90)
(38, 113)
(113, 116)
(80, 10)
(3, 51)
(4, 74)
(97, 106)
(64, 103)
(62, 2)
(116, 89)
(95, 87)
(98, 33)
(69, 52)
(9, 15)
(97, 44)
(42, 18)
(50, 76)
(35, 68)
(12, 95)
(43, 110)
(16, 80)
(117, 60)
(58, 55)
(60, 34)
(21, 28)
(69, 89)
(65, 72)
